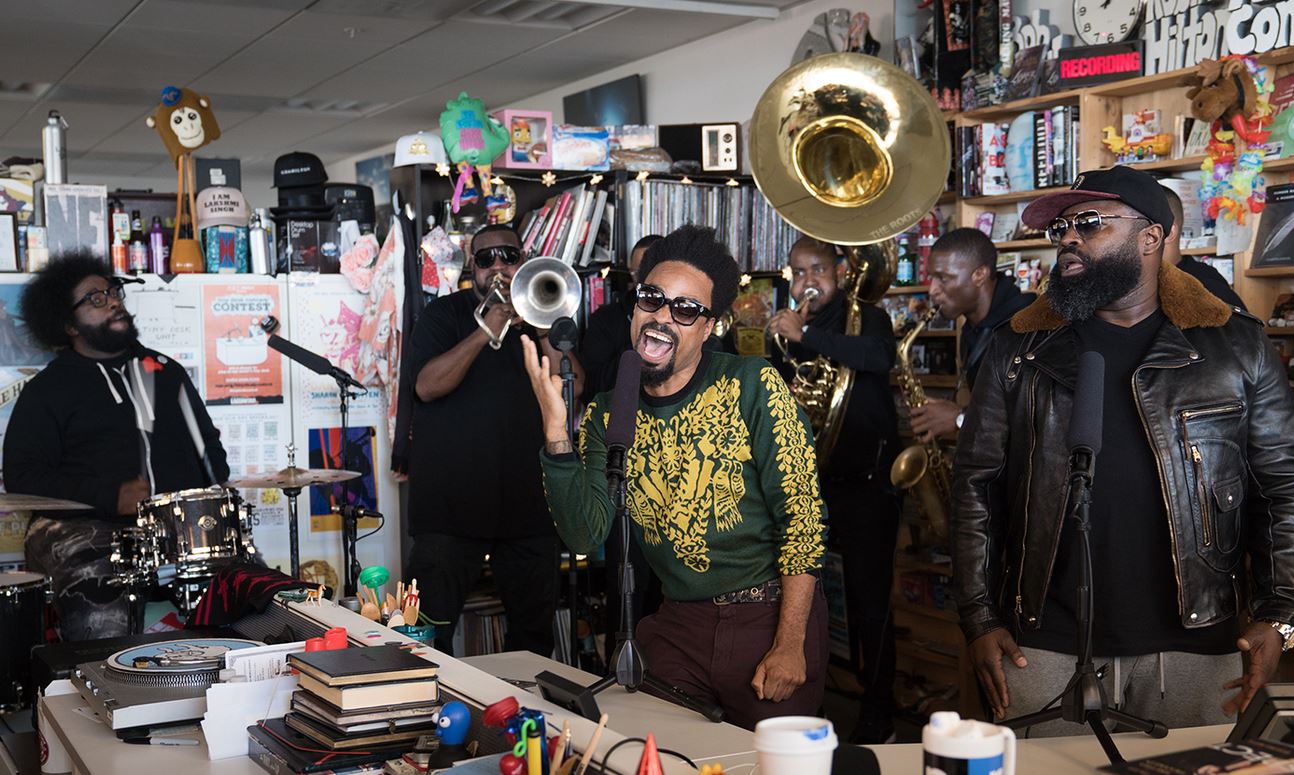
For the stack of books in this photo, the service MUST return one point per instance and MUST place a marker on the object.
(568, 227)
(380, 697)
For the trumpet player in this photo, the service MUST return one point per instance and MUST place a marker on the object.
(863, 507)
(474, 488)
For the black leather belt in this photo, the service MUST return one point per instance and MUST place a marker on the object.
(768, 592)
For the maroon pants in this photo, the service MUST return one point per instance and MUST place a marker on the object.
(711, 652)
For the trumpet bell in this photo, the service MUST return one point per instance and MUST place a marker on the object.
(848, 148)
(544, 290)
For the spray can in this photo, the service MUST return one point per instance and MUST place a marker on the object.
(53, 140)
(259, 245)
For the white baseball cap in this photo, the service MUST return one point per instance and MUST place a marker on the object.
(420, 148)
(221, 206)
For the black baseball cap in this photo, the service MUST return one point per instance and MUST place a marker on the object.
(1136, 189)
(299, 169)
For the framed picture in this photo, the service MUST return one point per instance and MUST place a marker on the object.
(8, 242)
(531, 135)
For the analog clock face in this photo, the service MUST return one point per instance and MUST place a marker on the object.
(1105, 21)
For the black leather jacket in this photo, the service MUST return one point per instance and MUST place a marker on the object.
(1217, 409)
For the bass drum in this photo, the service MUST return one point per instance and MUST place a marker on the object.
(24, 598)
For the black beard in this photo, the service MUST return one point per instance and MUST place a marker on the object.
(105, 339)
(654, 376)
(1100, 284)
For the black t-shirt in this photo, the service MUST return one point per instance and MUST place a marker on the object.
(1134, 588)
(473, 471)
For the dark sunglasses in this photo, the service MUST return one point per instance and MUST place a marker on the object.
(1085, 224)
(99, 299)
(504, 254)
(683, 310)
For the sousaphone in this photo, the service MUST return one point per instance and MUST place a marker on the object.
(851, 150)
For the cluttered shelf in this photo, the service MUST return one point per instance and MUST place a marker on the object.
(1067, 97)
(904, 561)
(1014, 196)
(899, 290)
(917, 649)
(1279, 331)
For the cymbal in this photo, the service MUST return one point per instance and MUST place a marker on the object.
(12, 501)
(296, 478)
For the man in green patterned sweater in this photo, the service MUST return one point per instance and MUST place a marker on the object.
(722, 489)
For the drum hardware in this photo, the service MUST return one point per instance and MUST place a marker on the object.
(23, 599)
(292, 481)
(154, 684)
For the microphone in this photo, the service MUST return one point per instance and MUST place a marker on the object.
(624, 416)
(358, 512)
(564, 334)
(1087, 415)
(313, 361)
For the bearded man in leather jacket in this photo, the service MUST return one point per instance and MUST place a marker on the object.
(1195, 473)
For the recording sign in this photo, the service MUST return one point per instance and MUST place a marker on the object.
(1088, 65)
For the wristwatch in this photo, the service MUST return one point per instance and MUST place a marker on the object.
(1286, 631)
(961, 418)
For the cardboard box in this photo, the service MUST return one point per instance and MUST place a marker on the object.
(309, 246)
(531, 133)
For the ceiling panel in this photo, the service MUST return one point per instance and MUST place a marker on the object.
(43, 50)
(87, 124)
(134, 55)
(137, 137)
(277, 132)
(106, 12)
(205, 17)
(436, 57)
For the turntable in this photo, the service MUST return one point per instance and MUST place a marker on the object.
(155, 683)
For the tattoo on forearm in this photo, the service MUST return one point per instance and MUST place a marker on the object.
(559, 447)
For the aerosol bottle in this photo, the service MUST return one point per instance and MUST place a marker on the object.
(259, 245)
(54, 147)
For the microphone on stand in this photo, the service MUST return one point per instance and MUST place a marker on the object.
(312, 361)
(624, 415)
(1086, 420)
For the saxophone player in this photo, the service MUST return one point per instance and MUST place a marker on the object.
(862, 506)
(964, 281)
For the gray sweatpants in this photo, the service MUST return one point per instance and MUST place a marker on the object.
(1191, 684)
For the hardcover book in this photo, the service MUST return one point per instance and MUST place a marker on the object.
(344, 667)
(367, 696)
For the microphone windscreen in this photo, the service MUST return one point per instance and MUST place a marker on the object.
(1085, 424)
(624, 401)
(312, 361)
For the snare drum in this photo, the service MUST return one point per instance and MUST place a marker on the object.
(198, 531)
(23, 598)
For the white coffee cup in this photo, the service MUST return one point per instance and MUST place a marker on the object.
(952, 744)
(795, 745)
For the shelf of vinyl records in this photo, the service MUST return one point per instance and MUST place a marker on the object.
(1079, 146)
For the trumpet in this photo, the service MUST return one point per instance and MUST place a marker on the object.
(542, 291)
(808, 297)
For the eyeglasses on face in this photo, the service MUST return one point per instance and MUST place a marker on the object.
(99, 299)
(683, 310)
(1085, 224)
(508, 255)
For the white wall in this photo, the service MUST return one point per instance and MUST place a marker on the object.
(720, 78)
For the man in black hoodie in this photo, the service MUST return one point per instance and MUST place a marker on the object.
(964, 281)
(101, 425)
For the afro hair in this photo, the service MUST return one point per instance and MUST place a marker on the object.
(698, 247)
(46, 304)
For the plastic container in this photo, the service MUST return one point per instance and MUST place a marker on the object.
(953, 744)
(795, 745)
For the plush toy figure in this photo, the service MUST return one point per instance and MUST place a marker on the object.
(1233, 94)
(472, 140)
(185, 123)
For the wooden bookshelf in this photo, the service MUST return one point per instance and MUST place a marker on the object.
(1024, 244)
(1211, 251)
(1011, 198)
(900, 290)
(991, 112)
(1279, 331)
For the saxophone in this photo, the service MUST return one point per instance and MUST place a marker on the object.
(922, 468)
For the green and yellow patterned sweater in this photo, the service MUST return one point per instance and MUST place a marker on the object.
(722, 483)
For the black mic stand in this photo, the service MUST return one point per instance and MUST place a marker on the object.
(628, 666)
(1084, 701)
(348, 516)
(562, 335)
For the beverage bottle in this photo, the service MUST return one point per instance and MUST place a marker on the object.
(53, 141)
(119, 222)
(906, 273)
(137, 250)
(157, 247)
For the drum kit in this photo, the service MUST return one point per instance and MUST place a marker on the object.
(178, 542)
